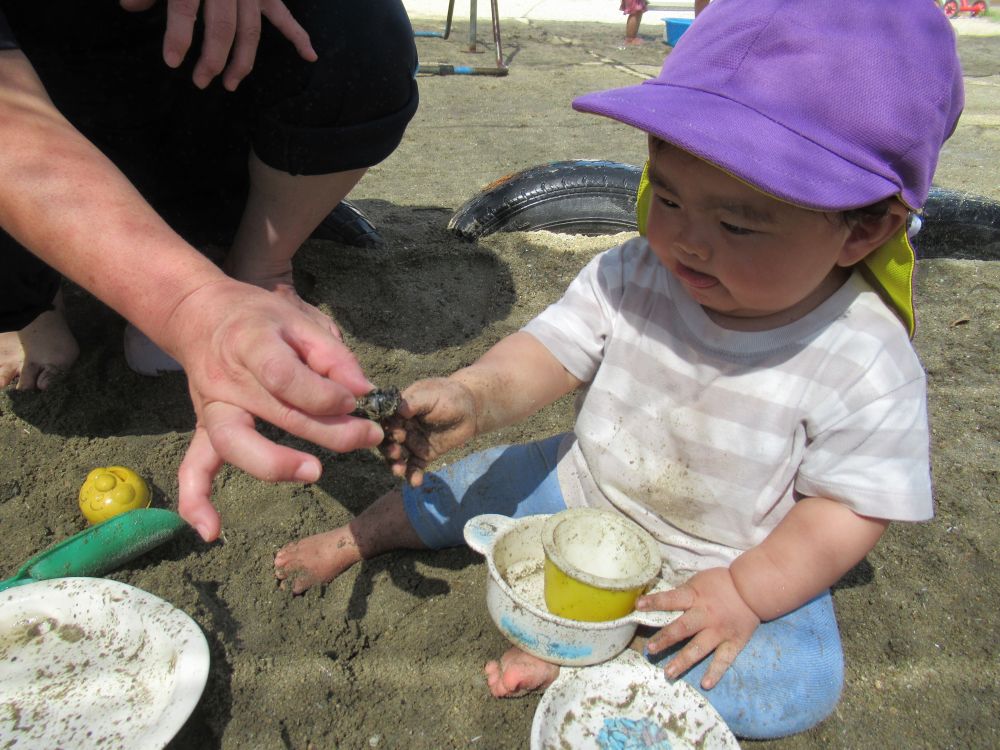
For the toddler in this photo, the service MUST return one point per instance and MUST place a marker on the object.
(633, 9)
(747, 390)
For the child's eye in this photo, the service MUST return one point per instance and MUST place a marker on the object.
(733, 229)
(666, 202)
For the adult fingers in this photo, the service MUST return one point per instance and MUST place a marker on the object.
(290, 360)
(278, 14)
(280, 372)
(325, 355)
(313, 407)
(235, 439)
(181, 15)
(220, 31)
(245, 49)
(200, 465)
(133, 6)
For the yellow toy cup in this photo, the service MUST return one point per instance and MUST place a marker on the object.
(597, 563)
(110, 490)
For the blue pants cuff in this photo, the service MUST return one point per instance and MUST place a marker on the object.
(512, 480)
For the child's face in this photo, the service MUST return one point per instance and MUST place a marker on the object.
(753, 262)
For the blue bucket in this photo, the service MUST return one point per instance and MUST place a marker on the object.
(674, 28)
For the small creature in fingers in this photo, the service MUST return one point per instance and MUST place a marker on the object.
(378, 405)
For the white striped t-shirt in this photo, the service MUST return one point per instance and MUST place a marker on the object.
(707, 436)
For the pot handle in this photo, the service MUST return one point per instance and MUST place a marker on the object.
(481, 531)
(656, 618)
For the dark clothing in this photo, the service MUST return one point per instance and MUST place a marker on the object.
(7, 40)
(185, 149)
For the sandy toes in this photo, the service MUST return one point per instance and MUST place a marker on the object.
(39, 353)
(518, 673)
(316, 559)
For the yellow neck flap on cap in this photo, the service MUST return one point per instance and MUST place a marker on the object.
(889, 269)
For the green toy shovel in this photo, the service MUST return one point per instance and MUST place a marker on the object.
(101, 548)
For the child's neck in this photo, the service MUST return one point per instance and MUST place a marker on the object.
(827, 288)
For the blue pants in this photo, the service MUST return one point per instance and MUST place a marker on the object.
(787, 679)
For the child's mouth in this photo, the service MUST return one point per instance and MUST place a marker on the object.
(694, 278)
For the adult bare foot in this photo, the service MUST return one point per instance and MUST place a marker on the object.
(267, 273)
(316, 559)
(518, 673)
(39, 353)
(11, 357)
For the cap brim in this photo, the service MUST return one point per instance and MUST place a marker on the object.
(744, 143)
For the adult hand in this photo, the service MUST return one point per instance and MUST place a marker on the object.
(232, 33)
(436, 416)
(715, 619)
(252, 353)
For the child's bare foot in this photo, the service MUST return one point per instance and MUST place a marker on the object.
(381, 527)
(316, 559)
(633, 41)
(39, 353)
(518, 673)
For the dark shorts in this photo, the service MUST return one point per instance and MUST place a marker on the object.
(185, 149)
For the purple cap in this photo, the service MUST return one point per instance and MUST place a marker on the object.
(828, 104)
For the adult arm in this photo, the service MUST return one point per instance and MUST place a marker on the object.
(806, 553)
(232, 33)
(247, 352)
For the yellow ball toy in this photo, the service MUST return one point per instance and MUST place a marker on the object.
(111, 490)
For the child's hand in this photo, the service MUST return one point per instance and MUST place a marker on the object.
(436, 415)
(715, 619)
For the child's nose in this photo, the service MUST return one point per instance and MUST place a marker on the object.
(693, 243)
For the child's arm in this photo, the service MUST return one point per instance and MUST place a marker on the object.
(809, 551)
(512, 381)
(813, 547)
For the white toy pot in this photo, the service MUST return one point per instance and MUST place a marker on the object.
(515, 559)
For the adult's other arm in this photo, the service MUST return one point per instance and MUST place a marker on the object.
(232, 32)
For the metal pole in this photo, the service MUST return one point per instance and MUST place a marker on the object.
(472, 25)
(496, 32)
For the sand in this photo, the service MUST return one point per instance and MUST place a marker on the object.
(390, 655)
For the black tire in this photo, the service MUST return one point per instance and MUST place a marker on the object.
(959, 225)
(598, 197)
(348, 225)
(568, 197)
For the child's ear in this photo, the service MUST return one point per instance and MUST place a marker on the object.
(870, 233)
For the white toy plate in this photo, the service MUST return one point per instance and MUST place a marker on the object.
(89, 662)
(623, 704)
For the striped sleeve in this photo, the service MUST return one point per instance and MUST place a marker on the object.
(577, 327)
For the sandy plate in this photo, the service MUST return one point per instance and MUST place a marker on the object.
(88, 662)
(625, 704)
